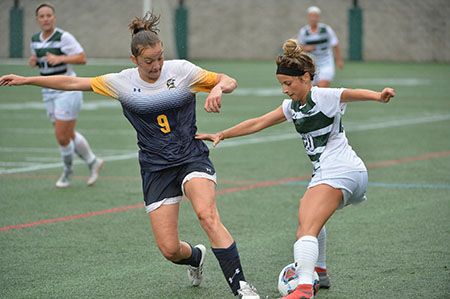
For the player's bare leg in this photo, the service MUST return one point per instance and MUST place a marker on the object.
(316, 207)
(164, 222)
(202, 194)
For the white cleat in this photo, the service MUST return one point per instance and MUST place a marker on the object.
(94, 168)
(247, 291)
(195, 274)
(64, 180)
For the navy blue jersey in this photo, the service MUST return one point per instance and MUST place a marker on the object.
(163, 113)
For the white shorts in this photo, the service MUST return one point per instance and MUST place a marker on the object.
(63, 105)
(325, 71)
(352, 184)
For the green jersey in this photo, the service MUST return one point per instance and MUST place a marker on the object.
(318, 123)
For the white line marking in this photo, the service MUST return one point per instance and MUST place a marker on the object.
(386, 81)
(254, 140)
(56, 150)
(87, 105)
(58, 165)
(354, 128)
(113, 132)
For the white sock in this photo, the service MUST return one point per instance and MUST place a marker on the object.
(321, 260)
(67, 154)
(306, 250)
(83, 149)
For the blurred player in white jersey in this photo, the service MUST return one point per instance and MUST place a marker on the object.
(54, 51)
(320, 40)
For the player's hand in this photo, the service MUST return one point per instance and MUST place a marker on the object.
(387, 94)
(214, 138)
(11, 80)
(53, 59)
(340, 64)
(33, 61)
(309, 48)
(213, 102)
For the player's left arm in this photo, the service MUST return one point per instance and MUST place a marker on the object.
(247, 127)
(353, 95)
(224, 84)
(338, 57)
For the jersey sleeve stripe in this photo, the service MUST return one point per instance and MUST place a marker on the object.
(99, 86)
(205, 81)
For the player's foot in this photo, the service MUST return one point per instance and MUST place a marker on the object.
(303, 291)
(64, 180)
(94, 168)
(195, 274)
(247, 291)
(324, 278)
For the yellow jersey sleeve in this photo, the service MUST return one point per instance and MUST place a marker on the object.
(99, 85)
(204, 81)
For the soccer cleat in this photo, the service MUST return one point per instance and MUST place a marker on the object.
(247, 291)
(195, 274)
(324, 278)
(64, 180)
(303, 291)
(94, 168)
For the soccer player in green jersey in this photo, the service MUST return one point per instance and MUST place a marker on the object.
(339, 177)
(53, 52)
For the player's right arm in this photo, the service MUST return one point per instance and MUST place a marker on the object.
(247, 127)
(54, 82)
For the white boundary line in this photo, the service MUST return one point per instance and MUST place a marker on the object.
(254, 140)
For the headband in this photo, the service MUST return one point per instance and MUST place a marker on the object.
(282, 70)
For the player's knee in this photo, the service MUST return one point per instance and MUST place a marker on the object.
(170, 253)
(209, 220)
(63, 140)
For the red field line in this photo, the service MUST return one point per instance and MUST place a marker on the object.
(71, 217)
(224, 191)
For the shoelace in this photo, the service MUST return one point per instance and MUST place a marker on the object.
(248, 290)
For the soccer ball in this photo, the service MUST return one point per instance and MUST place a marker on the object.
(288, 280)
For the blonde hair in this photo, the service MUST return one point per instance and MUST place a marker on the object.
(144, 33)
(294, 58)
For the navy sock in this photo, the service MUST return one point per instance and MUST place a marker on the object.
(193, 260)
(231, 265)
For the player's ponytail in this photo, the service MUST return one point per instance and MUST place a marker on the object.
(144, 33)
(294, 61)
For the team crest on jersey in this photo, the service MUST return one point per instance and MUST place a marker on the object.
(170, 83)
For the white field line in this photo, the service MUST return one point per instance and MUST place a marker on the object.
(38, 105)
(58, 165)
(355, 128)
(56, 150)
(113, 132)
(254, 140)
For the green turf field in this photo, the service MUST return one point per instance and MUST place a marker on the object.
(395, 245)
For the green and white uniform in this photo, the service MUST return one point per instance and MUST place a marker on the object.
(318, 123)
(324, 39)
(63, 105)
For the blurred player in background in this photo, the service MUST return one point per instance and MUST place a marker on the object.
(53, 51)
(158, 98)
(339, 177)
(320, 40)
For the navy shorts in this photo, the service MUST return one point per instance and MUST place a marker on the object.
(165, 187)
